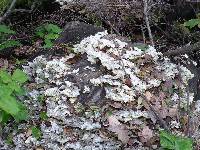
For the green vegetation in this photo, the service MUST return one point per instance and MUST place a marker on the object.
(171, 142)
(5, 41)
(36, 133)
(10, 90)
(43, 116)
(3, 5)
(193, 22)
(49, 33)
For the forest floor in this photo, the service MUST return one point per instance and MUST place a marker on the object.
(103, 92)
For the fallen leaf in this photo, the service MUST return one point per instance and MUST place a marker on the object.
(146, 134)
(148, 95)
(173, 112)
(116, 105)
(118, 128)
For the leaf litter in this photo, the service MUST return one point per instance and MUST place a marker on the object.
(132, 85)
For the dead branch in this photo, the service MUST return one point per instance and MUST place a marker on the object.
(156, 114)
(146, 17)
(26, 10)
(184, 50)
(179, 92)
(8, 12)
(188, 112)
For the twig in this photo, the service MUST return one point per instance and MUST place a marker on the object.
(179, 98)
(22, 10)
(156, 114)
(8, 12)
(147, 21)
(188, 111)
(184, 50)
(143, 35)
(26, 10)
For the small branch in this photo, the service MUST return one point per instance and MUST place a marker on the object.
(22, 10)
(8, 12)
(156, 114)
(179, 92)
(184, 50)
(147, 21)
(26, 10)
(143, 35)
(188, 111)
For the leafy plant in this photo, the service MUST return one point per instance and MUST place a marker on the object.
(5, 42)
(36, 133)
(3, 5)
(49, 33)
(10, 89)
(171, 142)
(43, 116)
(193, 22)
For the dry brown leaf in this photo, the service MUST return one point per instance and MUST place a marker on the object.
(118, 128)
(146, 134)
(148, 95)
(116, 105)
(173, 112)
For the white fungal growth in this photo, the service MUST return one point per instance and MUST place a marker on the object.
(130, 115)
(126, 77)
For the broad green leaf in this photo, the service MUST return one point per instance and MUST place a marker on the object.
(9, 104)
(17, 88)
(19, 76)
(192, 23)
(40, 31)
(36, 133)
(6, 29)
(4, 117)
(183, 144)
(5, 89)
(10, 86)
(48, 43)
(22, 114)
(51, 36)
(5, 76)
(51, 28)
(167, 140)
(9, 43)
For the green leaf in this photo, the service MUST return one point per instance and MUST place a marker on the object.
(22, 114)
(183, 144)
(5, 89)
(51, 36)
(192, 23)
(48, 43)
(19, 76)
(36, 133)
(167, 140)
(43, 116)
(6, 29)
(17, 88)
(9, 43)
(40, 31)
(4, 117)
(9, 87)
(51, 28)
(5, 76)
(9, 104)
